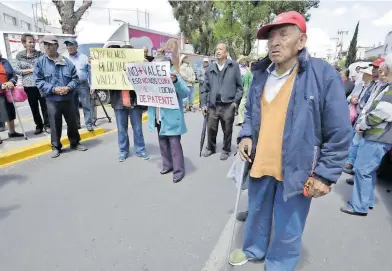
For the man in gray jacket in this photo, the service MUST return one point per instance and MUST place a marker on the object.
(220, 95)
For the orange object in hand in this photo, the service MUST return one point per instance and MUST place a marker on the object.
(306, 189)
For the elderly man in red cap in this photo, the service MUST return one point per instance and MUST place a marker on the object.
(296, 134)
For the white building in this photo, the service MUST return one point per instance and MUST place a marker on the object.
(361, 52)
(381, 49)
(13, 20)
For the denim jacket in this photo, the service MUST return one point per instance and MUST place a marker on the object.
(49, 74)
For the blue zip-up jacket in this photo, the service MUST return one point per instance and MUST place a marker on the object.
(317, 131)
(49, 74)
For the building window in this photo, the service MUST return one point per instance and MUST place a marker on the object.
(9, 19)
(39, 29)
(25, 25)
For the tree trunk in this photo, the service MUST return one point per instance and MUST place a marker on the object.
(69, 17)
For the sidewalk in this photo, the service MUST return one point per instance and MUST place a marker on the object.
(17, 149)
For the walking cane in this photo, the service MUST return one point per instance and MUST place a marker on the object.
(239, 189)
(17, 114)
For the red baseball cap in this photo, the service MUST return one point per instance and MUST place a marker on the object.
(377, 62)
(290, 17)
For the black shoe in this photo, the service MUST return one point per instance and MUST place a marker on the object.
(178, 179)
(55, 153)
(208, 153)
(166, 171)
(38, 131)
(79, 147)
(350, 211)
(242, 216)
(350, 181)
(15, 134)
(47, 129)
(348, 171)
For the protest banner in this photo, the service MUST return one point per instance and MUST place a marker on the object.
(108, 67)
(152, 84)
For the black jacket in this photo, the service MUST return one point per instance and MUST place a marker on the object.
(227, 83)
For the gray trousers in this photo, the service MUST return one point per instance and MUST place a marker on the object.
(172, 154)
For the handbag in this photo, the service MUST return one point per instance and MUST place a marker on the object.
(353, 112)
(16, 94)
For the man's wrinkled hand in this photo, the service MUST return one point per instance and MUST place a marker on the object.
(317, 188)
(245, 149)
(7, 85)
(354, 100)
(358, 129)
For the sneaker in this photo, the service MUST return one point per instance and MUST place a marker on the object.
(38, 131)
(15, 134)
(90, 128)
(2, 129)
(238, 258)
(55, 153)
(242, 216)
(122, 157)
(208, 153)
(224, 156)
(79, 147)
(143, 155)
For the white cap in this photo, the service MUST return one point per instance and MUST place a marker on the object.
(368, 70)
(206, 59)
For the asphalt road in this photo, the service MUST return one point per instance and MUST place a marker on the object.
(87, 212)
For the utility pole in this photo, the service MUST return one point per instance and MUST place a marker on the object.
(42, 16)
(341, 34)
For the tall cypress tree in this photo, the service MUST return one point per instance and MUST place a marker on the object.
(352, 50)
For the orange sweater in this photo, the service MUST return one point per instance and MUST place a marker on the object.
(268, 158)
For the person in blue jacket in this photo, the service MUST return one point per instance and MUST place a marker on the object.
(296, 134)
(170, 124)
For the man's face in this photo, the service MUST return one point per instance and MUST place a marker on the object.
(185, 60)
(375, 72)
(284, 42)
(145, 52)
(72, 48)
(30, 43)
(221, 51)
(50, 49)
(385, 75)
(343, 75)
(205, 64)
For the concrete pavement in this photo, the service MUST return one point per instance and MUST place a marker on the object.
(86, 211)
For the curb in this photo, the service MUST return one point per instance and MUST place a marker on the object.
(42, 147)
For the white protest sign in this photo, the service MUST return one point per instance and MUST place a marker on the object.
(152, 84)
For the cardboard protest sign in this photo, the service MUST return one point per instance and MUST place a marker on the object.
(152, 84)
(108, 67)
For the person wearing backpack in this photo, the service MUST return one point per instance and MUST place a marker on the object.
(296, 134)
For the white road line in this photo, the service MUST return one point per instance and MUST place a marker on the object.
(217, 259)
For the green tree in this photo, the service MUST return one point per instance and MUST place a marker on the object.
(44, 20)
(196, 20)
(303, 7)
(352, 50)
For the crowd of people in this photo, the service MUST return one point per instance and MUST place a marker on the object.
(302, 124)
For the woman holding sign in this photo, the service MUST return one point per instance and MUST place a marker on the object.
(170, 124)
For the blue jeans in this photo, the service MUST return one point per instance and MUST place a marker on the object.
(369, 156)
(191, 97)
(266, 203)
(82, 92)
(135, 115)
(353, 148)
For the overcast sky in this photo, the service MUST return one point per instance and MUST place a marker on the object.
(375, 18)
